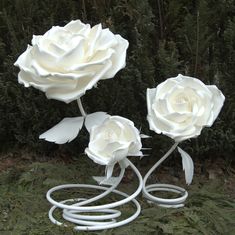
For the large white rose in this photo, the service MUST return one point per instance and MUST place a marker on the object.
(181, 106)
(67, 61)
(113, 140)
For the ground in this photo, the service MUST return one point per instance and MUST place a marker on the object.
(24, 181)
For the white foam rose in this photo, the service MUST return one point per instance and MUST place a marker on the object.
(181, 106)
(67, 61)
(112, 141)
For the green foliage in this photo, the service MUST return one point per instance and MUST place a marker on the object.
(23, 207)
(166, 38)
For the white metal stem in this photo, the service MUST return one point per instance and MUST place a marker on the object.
(81, 107)
(105, 217)
(164, 202)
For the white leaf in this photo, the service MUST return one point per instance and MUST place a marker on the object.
(143, 136)
(96, 118)
(109, 171)
(137, 154)
(144, 155)
(102, 180)
(188, 166)
(65, 131)
(146, 149)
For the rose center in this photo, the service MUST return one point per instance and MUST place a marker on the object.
(110, 135)
(182, 103)
(181, 99)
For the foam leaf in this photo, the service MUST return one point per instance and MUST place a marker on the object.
(102, 180)
(143, 136)
(188, 166)
(109, 170)
(65, 131)
(93, 119)
(137, 154)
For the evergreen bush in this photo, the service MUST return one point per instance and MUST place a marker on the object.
(196, 38)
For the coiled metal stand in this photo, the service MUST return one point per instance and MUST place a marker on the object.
(104, 216)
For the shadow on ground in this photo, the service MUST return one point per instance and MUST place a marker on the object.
(210, 208)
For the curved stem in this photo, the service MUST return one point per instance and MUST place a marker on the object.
(81, 107)
(159, 162)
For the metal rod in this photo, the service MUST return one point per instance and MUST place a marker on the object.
(81, 107)
(164, 202)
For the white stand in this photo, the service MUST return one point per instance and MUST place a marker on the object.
(105, 216)
(164, 202)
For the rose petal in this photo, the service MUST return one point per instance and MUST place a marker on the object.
(74, 55)
(97, 62)
(164, 87)
(29, 79)
(94, 119)
(121, 153)
(24, 60)
(93, 37)
(106, 40)
(150, 95)
(36, 39)
(112, 148)
(45, 59)
(191, 82)
(97, 158)
(162, 106)
(218, 102)
(75, 26)
(83, 84)
(118, 57)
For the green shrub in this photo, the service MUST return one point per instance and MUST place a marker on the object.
(166, 38)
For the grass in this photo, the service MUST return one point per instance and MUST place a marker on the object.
(210, 208)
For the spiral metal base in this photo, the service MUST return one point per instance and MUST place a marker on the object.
(104, 216)
(164, 202)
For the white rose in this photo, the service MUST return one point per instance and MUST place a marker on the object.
(113, 140)
(181, 106)
(67, 61)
